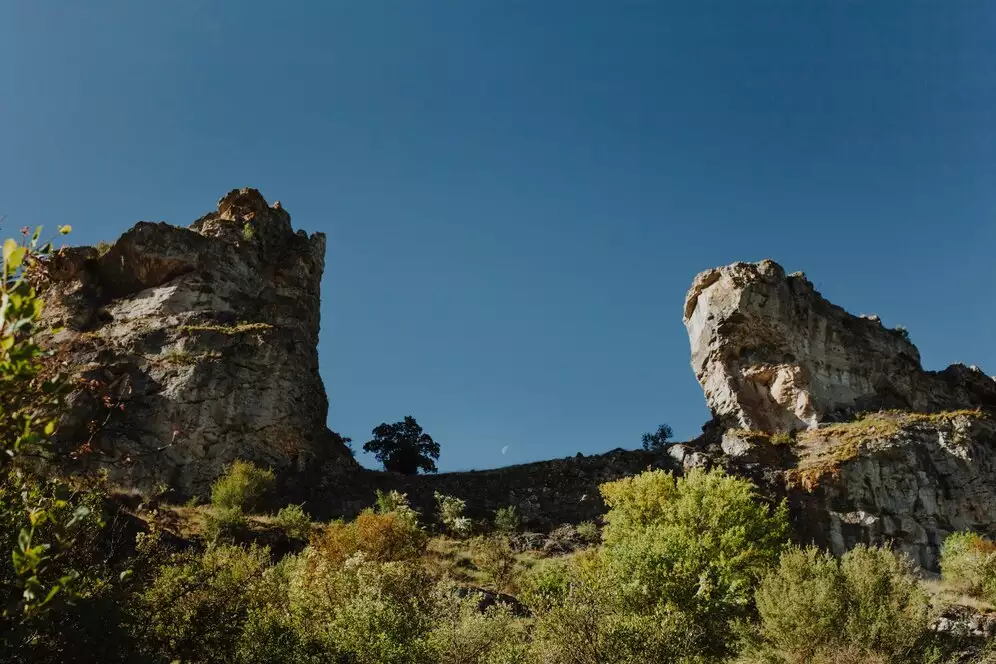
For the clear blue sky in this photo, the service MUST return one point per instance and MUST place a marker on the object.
(517, 194)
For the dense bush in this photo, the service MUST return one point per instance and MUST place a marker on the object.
(380, 537)
(869, 605)
(584, 619)
(493, 556)
(224, 524)
(968, 564)
(589, 532)
(195, 608)
(695, 546)
(395, 502)
(450, 511)
(295, 521)
(507, 520)
(242, 487)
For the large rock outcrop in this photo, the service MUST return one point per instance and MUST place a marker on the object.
(906, 479)
(772, 354)
(194, 347)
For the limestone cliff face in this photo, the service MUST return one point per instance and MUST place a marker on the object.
(774, 355)
(904, 479)
(195, 346)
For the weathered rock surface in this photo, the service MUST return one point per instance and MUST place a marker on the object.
(195, 347)
(897, 478)
(772, 354)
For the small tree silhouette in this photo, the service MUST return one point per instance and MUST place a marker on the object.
(658, 440)
(403, 447)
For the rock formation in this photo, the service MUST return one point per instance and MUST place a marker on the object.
(194, 347)
(773, 355)
(903, 479)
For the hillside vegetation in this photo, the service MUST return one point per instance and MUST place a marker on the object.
(691, 569)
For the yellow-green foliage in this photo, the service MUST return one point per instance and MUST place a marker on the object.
(229, 330)
(196, 606)
(42, 521)
(379, 537)
(242, 487)
(507, 520)
(868, 604)
(589, 532)
(695, 546)
(494, 556)
(582, 617)
(968, 564)
(224, 523)
(295, 521)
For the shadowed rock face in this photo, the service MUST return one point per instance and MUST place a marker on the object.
(206, 336)
(772, 354)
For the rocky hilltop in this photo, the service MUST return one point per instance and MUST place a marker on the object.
(195, 346)
(772, 354)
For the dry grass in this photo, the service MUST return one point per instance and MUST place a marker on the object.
(823, 451)
(454, 558)
(942, 594)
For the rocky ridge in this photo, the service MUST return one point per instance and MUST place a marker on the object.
(196, 346)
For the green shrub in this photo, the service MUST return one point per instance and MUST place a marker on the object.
(968, 564)
(243, 487)
(493, 556)
(695, 546)
(224, 524)
(361, 610)
(395, 502)
(869, 604)
(195, 608)
(463, 634)
(380, 537)
(295, 521)
(507, 520)
(450, 511)
(591, 624)
(588, 530)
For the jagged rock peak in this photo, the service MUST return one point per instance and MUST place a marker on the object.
(207, 337)
(772, 354)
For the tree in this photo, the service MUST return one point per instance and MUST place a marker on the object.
(658, 440)
(403, 447)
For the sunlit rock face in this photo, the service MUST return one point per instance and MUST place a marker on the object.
(773, 355)
(204, 342)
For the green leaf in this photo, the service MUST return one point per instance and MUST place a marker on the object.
(9, 246)
(16, 258)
